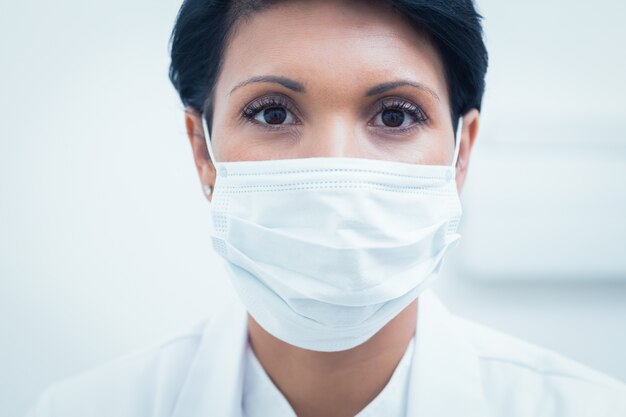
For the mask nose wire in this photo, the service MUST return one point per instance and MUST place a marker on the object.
(207, 138)
(457, 141)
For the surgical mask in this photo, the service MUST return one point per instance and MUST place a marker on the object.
(325, 251)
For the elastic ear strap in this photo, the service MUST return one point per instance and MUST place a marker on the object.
(457, 141)
(207, 138)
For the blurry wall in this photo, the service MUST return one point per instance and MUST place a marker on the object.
(103, 226)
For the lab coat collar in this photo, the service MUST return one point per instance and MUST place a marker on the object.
(214, 384)
(445, 375)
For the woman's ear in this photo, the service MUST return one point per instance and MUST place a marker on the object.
(204, 165)
(469, 130)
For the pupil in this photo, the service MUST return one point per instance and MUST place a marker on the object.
(274, 115)
(393, 118)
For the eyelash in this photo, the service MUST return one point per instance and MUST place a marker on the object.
(252, 109)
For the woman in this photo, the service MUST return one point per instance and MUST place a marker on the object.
(332, 139)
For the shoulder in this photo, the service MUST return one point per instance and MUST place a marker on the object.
(144, 382)
(518, 375)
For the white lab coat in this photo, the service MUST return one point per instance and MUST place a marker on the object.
(459, 369)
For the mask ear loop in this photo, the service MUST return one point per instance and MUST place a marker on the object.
(207, 138)
(457, 141)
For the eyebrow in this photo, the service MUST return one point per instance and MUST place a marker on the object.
(298, 87)
(284, 81)
(381, 88)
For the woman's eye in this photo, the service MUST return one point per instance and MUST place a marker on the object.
(275, 116)
(272, 111)
(394, 118)
(399, 115)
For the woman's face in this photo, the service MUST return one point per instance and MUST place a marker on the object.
(334, 79)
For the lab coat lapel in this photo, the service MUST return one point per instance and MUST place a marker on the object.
(445, 374)
(214, 384)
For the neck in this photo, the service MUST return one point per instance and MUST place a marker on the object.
(334, 383)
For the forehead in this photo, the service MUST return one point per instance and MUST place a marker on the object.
(331, 45)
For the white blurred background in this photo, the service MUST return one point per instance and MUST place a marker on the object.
(104, 242)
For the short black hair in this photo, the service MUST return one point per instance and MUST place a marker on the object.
(202, 28)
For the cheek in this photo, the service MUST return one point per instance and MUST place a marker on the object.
(234, 145)
(227, 149)
(427, 149)
(438, 151)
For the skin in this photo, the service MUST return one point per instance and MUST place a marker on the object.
(337, 52)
